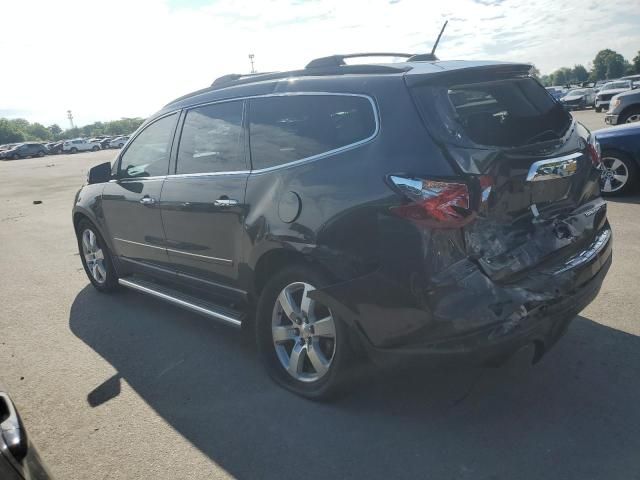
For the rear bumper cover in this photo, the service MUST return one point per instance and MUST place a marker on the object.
(476, 319)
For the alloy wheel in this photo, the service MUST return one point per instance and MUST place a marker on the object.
(303, 332)
(614, 175)
(94, 256)
(633, 118)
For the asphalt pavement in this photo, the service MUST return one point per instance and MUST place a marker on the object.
(125, 387)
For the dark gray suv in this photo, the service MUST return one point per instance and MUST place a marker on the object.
(437, 208)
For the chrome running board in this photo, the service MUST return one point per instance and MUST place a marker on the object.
(182, 300)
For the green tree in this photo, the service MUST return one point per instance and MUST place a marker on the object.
(580, 74)
(54, 130)
(37, 131)
(9, 133)
(607, 64)
(635, 63)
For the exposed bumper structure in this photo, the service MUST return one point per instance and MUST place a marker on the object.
(471, 318)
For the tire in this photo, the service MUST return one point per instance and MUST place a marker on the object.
(120, 145)
(299, 339)
(15, 156)
(631, 116)
(598, 109)
(41, 154)
(73, 150)
(619, 175)
(100, 272)
(95, 148)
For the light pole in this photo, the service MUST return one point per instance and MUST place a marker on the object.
(70, 117)
(251, 57)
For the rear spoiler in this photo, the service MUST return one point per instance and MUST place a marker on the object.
(466, 73)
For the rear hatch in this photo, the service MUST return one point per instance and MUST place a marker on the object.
(532, 167)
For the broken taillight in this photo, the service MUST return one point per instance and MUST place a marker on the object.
(595, 153)
(435, 203)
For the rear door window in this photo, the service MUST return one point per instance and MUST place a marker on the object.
(505, 113)
(288, 128)
(212, 139)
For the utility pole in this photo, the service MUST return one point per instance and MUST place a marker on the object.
(70, 117)
(251, 57)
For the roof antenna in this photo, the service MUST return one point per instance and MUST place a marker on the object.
(429, 57)
(435, 45)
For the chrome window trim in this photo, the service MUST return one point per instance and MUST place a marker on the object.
(319, 156)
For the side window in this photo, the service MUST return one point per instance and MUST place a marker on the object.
(148, 154)
(287, 128)
(212, 139)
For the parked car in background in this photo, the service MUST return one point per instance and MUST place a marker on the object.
(557, 92)
(579, 98)
(104, 142)
(19, 459)
(624, 108)
(278, 202)
(54, 147)
(24, 150)
(7, 146)
(79, 145)
(118, 142)
(620, 158)
(608, 90)
(599, 84)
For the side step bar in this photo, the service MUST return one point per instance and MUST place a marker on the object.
(181, 300)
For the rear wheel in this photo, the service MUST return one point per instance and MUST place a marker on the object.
(631, 117)
(41, 154)
(598, 109)
(74, 150)
(619, 173)
(120, 145)
(95, 148)
(96, 257)
(302, 344)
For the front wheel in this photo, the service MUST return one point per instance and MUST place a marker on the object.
(96, 258)
(598, 109)
(95, 148)
(302, 344)
(74, 150)
(41, 154)
(631, 116)
(619, 174)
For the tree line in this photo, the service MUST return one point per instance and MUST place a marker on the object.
(20, 130)
(608, 64)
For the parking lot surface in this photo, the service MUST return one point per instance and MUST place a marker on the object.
(123, 386)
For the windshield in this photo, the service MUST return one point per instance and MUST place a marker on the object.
(578, 92)
(616, 85)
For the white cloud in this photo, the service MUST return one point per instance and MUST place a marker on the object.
(105, 60)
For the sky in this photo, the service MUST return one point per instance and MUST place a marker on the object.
(122, 58)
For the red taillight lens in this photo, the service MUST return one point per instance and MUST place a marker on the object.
(595, 152)
(432, 202)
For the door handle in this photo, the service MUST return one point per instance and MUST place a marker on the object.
(225, 202)
(148, 201)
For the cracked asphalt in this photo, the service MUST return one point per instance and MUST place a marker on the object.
(124, 387)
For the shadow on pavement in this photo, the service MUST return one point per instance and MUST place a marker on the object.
(632, 198)
(574, 415)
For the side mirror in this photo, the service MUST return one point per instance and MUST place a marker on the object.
(99, 174)
(11, 431)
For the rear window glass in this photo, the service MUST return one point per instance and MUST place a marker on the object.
(504, 113)
(284, 129)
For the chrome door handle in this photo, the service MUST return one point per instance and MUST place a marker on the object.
(148, 201)
(225, 202)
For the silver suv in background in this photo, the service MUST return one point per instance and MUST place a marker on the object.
(80, 145)
(624, 108)
(610, 89)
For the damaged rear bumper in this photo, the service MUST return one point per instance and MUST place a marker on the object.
(473, 319)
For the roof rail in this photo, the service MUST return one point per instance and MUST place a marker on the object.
(338, 60)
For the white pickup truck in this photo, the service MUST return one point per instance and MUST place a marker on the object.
(80, 145)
